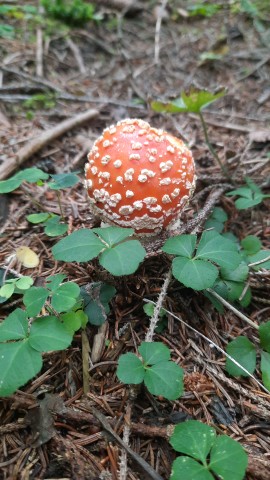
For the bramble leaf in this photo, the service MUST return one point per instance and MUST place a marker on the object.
(79, 246)
(244, 352)
(130, 369)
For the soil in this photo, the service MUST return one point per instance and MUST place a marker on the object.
(117, 66)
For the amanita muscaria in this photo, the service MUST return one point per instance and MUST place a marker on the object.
(139, 177)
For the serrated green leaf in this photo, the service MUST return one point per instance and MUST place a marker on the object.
(193, 438)
(265, 369)
(38, 217)
(79, 246)
(63, 180)
(183, 245)
(48, 333)
(15, 326)
(259, 257)
(113, 235)
(264, 334)
(154, 352)
(196, 274)
(18, 364)
(34, 299)
(220, 250)
(185, 468)
(251, 244)
(166, 379)
(228, 460)
(124, 258)
(244, 352)
(195, 100)
(130, 369)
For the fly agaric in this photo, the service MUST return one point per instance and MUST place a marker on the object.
(139, 177)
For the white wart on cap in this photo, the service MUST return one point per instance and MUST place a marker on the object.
(139, 177)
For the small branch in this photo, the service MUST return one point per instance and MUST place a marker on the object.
(161, 11)
(39, 53)
(233, 309)
(77, 55)
(46, 137)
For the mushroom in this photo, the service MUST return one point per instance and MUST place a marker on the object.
(139, 177)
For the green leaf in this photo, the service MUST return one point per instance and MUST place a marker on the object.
(79, 246)
(53, 227)
(38, 217)
(192, 101)
(193, 438)
(195, 100)
(7, 290)
(243, 203)
(183, 245)
(259, 257)
(220, 250)
(212, 223)
(18, 364)
(34, 299)
(244, 352)
(64, 298)
(96, 301)
(196, 274)
(73, 321)
(251, 244)
(166, 379)
(235, 290)
(130, 369)
(185, 468)
(154, 352)
(265, 369)
(63, 180)
(124, 258)
(228, 460)
(30, 175)
(15, 326)
(264, 334)
(113, 235)
(239, 274)
(24, 283)
(48, 333)
(219, 214)
(54, 281)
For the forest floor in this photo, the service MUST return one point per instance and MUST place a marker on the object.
(117, 66)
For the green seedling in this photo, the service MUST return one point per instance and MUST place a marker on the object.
(15, 285)
(193, 101)
(72, 12)
(96, 300)
(115, 253)
(53, 226)
(245, 353)
(249, 196)
(206, 456)
(200, 270)
(217, 220)
(203, 9)
(160, 375)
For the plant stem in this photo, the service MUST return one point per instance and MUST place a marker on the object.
(210, 146)
(60, 204)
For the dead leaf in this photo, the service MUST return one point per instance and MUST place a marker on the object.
(27, 257)
(41, 419)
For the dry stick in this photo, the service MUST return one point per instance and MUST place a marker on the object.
(233, 309)
(157, 32)
(105, 424)
(154, 319)
(179, 319)
(46, 137)
(77, 55)
(39, 53)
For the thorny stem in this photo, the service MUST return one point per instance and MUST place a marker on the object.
(155, 317)
(210, 146)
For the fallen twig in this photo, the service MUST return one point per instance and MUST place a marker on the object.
(46, 137)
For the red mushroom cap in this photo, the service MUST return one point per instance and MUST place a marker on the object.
(139, 177)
